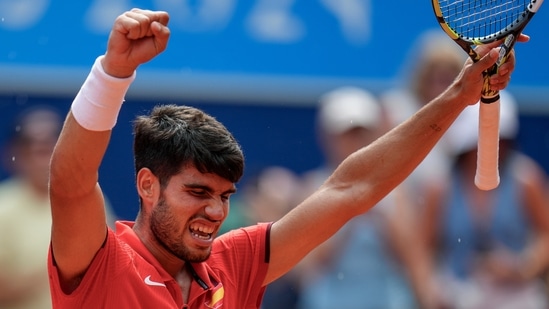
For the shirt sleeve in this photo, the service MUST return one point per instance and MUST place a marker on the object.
(242, 257)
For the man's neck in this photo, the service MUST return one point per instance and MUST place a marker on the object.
(173, 265)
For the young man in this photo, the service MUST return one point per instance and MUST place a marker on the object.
(187, 165)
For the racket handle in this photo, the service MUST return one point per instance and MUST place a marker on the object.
(487, 174)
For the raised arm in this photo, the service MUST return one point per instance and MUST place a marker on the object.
(79, 224)
(369, 174)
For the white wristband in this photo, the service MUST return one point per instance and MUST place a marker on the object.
(97, 104)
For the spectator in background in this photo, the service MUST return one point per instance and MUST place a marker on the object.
(25, 217)
(362, 265)
(490, 247)
(270, 194)
(433, 64)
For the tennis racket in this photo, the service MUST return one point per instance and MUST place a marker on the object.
(474, 22)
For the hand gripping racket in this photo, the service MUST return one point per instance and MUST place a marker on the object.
(474, 22)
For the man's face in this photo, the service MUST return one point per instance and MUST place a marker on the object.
(190, 212)
(33, 152)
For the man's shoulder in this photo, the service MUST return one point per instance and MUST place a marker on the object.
(241, 240)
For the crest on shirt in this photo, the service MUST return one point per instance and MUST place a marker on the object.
(216, 300)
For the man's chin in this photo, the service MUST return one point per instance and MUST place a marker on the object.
(199, 256)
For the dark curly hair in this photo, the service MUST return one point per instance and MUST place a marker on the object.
(175, 135)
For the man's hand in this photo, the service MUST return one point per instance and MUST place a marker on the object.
(137, 36)
(471, 77)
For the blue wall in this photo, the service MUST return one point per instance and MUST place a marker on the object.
(257, 49)
(269, 135)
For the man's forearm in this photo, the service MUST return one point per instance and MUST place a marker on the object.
(390, 159)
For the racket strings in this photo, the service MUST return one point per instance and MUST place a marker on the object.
(481, 19)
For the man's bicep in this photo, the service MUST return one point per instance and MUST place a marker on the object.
(78, 231)
(303, 229)
(78, 215)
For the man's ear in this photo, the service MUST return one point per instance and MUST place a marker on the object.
(148, 186)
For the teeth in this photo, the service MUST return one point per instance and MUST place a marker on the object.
(202, 230)
(202, 236)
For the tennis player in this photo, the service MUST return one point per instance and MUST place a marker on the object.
(187, 166)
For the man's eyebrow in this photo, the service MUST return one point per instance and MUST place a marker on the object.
(207, 188)
(230, 191)
(197, 186)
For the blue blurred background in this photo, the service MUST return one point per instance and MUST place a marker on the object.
(257, 65)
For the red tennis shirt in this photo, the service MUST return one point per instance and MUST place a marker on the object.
(125, 275)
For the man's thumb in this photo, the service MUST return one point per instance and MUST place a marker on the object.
(488, 60)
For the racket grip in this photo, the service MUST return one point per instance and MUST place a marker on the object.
(487, 174)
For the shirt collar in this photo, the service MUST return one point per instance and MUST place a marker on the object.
(202, 273)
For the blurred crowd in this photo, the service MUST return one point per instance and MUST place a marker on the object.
(435, 242)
